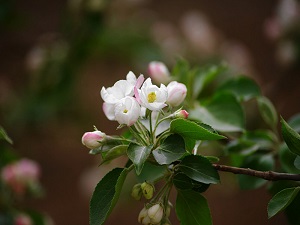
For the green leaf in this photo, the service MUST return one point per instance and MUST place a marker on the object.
(281, 200)
(192, 208)
(204, 77)
(4, 136)
(189, 129)
(223, 112)
(114, 153)
(267, 111)
(138, 155)
(257, 162)
(291, 137)
(106, 195)
(287, 159)
(183, 182)
(242, 87)
(294, 122)
(151, 172)
(189, 144)
(172, 149)
(199, 169)
(297, 163)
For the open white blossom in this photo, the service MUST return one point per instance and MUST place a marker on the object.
(127, 111)
(151, 96)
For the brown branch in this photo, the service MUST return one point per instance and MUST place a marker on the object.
(267, 175)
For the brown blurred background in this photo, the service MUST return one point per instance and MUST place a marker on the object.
(68, 171)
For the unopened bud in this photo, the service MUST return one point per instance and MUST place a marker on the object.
(155, 213)
(176, 93)
(181, 114)
(159, 72)
(92, 139)
(136, 192)
(143, 217)
(147, 190)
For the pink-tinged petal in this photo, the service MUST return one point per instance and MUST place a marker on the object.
(139, 81)
(137, 95)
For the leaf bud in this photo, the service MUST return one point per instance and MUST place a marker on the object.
(136, 192)
(147, 190)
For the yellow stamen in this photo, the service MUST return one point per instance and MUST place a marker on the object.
(125, 111)
(151, 97)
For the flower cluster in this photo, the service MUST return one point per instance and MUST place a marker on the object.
(127, 99)
(21, 176)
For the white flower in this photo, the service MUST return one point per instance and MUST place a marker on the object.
(121, 89)
(151, 96)
(92, 139)
(176, 93)
(159, 72)
(127, 111)
(109, 110)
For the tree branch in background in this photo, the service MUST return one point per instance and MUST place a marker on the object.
(267, 175)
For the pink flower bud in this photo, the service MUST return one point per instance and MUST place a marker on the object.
(21, 175)
(159, 72)
(181, 114)
(176, 93)
(23, 219)
(92, 139)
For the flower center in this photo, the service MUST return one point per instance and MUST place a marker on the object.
(151, 97)
(125, 111)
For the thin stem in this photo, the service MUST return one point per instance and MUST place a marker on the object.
(150, 125)
(125, 139)
(142, 129)
(267, 175)
(137, 136)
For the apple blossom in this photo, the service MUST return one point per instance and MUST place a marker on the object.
(127, 111)
(121, 89)
(92, 139)
(176, 93)
(159, 72)
(151, 96)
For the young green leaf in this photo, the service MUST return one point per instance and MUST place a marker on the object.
(114, 153)
(192, 208)
(183, 182)
(267, 111)
(223, 112)
(294, 122)
(287, 159)
(242, 87)
(4, 136)
(281, 200)
(189, 129)
(172, 149)
(106, 195)
(297, 162)
(199, 169)
(291, 137)
(138, 155)
(152, 172)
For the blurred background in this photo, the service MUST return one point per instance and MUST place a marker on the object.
(56, 55)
